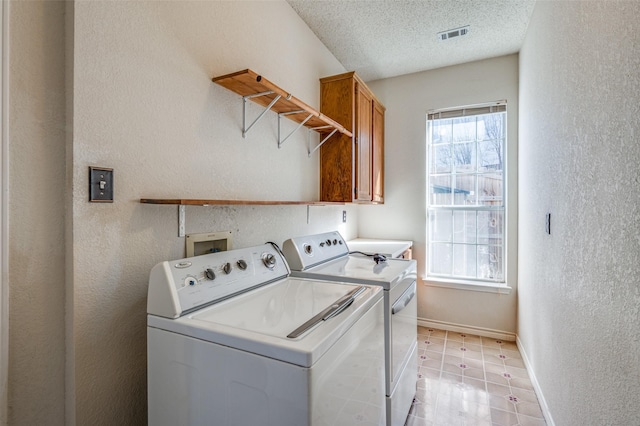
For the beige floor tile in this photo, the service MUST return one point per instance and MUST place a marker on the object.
(491, 342)
(473, 373)
(497, 389)
(429, 373)
(514, 362)
(453, 368)
(501, 403)
(516, 372)
(525, 395)
(531, 409)
(432, 344)
(433, 332)
(530, 421)
(517, 382)
(512, 354)
(496, 378)
(503, 418)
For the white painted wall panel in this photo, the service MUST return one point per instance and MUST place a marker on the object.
(36, 213)
(579, 304)
(403, 215)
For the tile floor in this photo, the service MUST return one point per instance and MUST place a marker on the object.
(471, 380)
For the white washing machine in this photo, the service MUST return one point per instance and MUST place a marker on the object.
(233, 340)
(327, 257)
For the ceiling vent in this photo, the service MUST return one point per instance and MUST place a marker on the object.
(456, 32)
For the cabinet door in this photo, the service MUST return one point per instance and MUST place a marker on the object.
(364, 111)
(378, 152)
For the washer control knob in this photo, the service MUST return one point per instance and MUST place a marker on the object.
(269, 260)
(335, 242)
(328, 242)
(190, 281)
(227, 268)
(209, 274)
(308, 249)
(322, 244)
(242, 264)
(340, 242)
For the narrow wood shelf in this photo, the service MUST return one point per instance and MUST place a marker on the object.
(258, 89)
(194, 202)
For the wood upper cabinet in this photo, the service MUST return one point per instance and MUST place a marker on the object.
(352, 168)
(378, 153)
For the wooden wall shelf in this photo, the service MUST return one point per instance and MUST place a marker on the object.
(252, 86)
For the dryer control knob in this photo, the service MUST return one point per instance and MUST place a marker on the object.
(242, 264)
(209, 274)
(269, 260)
(227, 268)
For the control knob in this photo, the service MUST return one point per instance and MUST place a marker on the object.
(227, 268)
(209, 274)
(328, 242)
(269, 260)
(335, 242)
(242, 264)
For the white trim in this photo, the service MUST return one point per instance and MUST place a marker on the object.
(536, 386)
(468, 329)
(468, 285)
(4, 209)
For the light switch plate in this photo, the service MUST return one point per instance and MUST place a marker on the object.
(100, 185)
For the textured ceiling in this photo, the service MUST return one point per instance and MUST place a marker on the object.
(386, 38)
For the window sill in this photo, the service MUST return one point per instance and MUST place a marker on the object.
(467, 285)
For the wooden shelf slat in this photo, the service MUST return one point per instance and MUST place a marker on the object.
(247, 82)
(203, 202)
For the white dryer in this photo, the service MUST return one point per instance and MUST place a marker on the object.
(326, 257)
(233, 340)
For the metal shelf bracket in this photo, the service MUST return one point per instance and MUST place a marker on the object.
(246, 129)
(181, 220)
(311, 151)
(280, 115)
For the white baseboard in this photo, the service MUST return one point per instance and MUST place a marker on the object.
(460, 328)
(536, 386)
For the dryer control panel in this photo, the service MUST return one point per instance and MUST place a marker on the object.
(180, 286)
(306, 252)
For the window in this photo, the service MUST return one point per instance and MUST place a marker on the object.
(466, 193)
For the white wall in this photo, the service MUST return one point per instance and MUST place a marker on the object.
(579, 304)
(403, 215)
(140, 100)
(36, 213)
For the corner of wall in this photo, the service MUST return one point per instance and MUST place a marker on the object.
(69, 376)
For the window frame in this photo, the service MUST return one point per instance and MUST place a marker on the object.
(451, 279)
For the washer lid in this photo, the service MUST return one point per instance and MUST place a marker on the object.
(356, 268)
(260, 321)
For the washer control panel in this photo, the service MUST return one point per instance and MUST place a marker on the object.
(180, 286)
(306, 252)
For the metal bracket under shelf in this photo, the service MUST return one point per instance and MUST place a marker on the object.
(246, 129)
(181, 220)
(302, 123)
(281, 140)
(311, 151)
